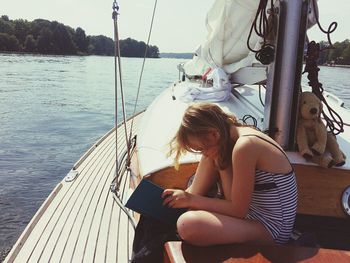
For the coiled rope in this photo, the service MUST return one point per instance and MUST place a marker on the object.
(331, 28)
(264, 27)
(334, 123)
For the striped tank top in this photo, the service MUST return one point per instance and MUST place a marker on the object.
(274, 201)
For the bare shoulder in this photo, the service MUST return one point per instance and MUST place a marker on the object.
(256, 138)
(246, 145)
(245, 156)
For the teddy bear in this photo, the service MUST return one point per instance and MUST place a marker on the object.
(313, 140)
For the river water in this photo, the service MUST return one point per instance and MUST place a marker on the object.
(53, 108)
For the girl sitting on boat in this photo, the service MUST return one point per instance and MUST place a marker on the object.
(258, 182)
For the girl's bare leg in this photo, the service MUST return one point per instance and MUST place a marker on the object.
(204, 228)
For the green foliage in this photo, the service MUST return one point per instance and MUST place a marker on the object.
(101, 45)
(346, 54)
(6, 26)
(44, 45)
(51, 37)
(339, 55)
(21, 29)
(30, 44)
(8, 43)
(132, 48)
(5, 18)
(81, 40)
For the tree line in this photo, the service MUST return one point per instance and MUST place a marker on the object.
(51, 37)
(339, 55)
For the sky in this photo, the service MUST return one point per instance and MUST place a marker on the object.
(179, 25)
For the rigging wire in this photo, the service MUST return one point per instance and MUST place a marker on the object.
(115, 186)
(117, 68)
(143, 65)
(115, 8)
(123, 165)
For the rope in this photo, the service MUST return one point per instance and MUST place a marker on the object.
(260, 96)
(115, 187)
(331, 28)
(143, 65)
(247, 117)
(126, 211)
(264, 26)
(334, 122)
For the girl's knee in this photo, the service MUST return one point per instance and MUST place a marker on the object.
(188, 226)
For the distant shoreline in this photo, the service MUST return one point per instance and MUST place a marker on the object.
(336, 66)
(176, 55)
(161, 55)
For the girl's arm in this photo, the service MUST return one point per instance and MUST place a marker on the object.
(244, 158)
(206, 175)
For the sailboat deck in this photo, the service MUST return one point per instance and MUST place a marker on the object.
(80, 221)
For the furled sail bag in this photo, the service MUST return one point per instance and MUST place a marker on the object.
(228, 24)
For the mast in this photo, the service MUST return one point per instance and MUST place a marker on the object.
(284, 79)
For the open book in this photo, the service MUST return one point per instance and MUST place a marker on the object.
(147, 199)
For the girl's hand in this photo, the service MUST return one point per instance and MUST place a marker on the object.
(176, 198)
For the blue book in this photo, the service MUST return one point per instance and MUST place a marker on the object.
(147, 200)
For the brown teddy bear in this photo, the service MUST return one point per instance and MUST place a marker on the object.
(313, 140)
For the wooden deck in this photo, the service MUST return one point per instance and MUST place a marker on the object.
(80, 221)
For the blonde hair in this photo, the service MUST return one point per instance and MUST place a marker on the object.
(198, 120)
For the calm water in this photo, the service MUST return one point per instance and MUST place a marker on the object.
(53, 108)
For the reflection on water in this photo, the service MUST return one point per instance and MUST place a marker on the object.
(53, 108)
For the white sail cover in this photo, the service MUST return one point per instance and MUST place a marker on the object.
(228, 23)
